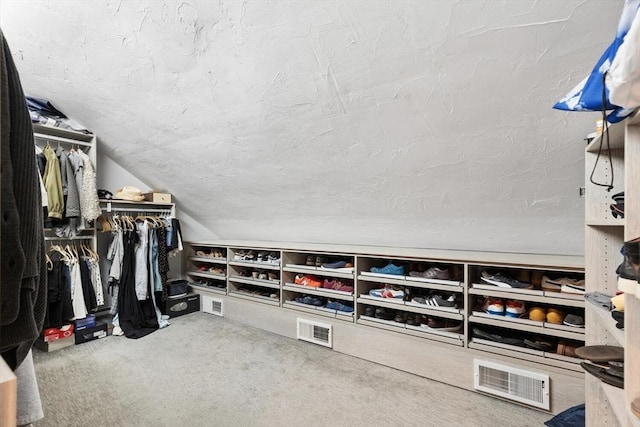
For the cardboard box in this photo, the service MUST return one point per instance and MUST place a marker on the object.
(87, 322)
(57, 344)
(180, 305)
(92, 333)
(157, 197)
(54, 334)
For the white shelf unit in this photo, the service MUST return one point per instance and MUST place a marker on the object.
(68, 139)
(271, 305)
(604, 237)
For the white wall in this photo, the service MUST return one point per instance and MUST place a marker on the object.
(404, 123)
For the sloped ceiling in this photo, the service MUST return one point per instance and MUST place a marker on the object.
(402, 123)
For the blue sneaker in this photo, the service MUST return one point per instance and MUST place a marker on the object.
(389, 269)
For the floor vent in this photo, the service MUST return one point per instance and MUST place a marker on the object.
(512, 383)
(213, 305)
(315, 332)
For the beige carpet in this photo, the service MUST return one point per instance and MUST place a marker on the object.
(207, 371)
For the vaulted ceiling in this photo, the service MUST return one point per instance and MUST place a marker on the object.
(402, 123)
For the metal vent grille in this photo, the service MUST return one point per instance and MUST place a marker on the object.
(212, 305)
(512, 383)
(315, 332)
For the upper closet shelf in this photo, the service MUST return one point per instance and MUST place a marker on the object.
(62, 135)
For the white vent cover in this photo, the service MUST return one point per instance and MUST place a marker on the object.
(315, 332)
(212, 305)
(512, 383)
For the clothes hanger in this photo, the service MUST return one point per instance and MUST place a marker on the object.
(49, 262)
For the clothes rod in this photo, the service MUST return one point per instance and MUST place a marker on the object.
(43, 137)
(167, 211)
(49, 238)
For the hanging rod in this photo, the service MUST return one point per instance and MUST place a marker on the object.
(44, 137)
(136, 210)
(49, 238)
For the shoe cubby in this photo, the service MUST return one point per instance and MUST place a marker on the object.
(527, 345)
(207, 267)
(254, 274)
(398, 319)
(320, 283)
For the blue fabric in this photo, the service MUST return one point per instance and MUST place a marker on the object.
(587, 95)
(572, 417)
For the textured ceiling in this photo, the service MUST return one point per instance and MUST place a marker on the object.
(402, 123)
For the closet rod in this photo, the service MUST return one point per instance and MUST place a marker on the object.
(49, 238)
(43, 137)
(167, 211)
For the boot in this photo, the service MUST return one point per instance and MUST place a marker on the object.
(630, 267)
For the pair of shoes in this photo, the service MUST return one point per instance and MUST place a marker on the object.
(606, 375)
(539, 343)
(383, 313)
(315, 261)
(629, 270)
(401, 317)
(555, 316)
(337, 264)
(494, 335)
(307, 280)
(563, 284)
(388, 291)
(414, 319)
(217, 270)
(336, 285)
(504, 281)
(390, 268)
(436, 300)
(441, 324)
(310, 300)
(497, 306)
(370, 311)
(617, 208)
(565, 349)
(573, 320)
(432, 273)
(338, 306)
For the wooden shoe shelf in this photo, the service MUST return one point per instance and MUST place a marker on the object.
(200, 263)
(411, 336)
(604, 238)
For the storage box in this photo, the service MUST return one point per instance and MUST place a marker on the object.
(157, 197)
(91, 333)
(54, 334)
(177, 287)
(87, 322)
(57, 344)
(178, 306)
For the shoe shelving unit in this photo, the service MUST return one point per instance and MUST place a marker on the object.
(295, 263)
(523, 327)
(604, 237)
(203, 268)
(431, 341)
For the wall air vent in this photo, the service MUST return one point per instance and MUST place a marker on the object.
(212, 305)
(511, 383)
(315, 332)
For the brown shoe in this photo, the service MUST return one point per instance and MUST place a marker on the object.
(565, 349)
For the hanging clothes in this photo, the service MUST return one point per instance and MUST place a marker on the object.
(59, 308)
(53, 184)
(136, 318)
(89, 202)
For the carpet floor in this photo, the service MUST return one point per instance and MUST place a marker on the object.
(208, 371)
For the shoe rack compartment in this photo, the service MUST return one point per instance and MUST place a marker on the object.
(376, 287)
(323, 290)
(207, 268)
(524, 300)
(254, 274)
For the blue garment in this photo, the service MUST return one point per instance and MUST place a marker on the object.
(572, 417)
(587, 95)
